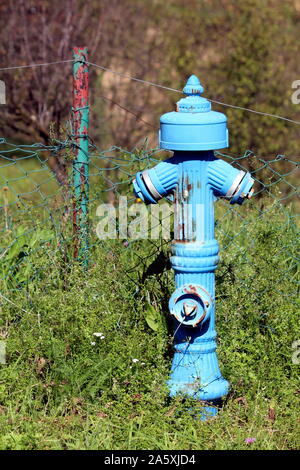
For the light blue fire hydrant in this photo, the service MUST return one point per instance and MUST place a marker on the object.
(196, 178)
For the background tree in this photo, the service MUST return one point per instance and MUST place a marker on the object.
(244, 51)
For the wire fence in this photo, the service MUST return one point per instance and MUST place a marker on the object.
(36, 222)
(39, 203)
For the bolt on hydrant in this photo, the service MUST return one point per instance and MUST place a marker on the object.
(196, 179)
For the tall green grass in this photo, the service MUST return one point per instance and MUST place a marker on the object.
(63, 387)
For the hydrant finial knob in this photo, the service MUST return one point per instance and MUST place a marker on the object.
(193, 102)
(193, 86)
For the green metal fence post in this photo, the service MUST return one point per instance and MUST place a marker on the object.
(80, 117)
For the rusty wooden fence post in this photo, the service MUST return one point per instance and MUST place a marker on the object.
(80, 118)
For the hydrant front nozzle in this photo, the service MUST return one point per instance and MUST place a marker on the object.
(190, 305)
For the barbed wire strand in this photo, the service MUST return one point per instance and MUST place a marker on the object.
(128, 111)
(157, 85)
(36, 65)
(180, 91)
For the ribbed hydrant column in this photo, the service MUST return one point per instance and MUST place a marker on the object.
(197, 179)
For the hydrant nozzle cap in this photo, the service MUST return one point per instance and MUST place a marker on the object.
(193, 103)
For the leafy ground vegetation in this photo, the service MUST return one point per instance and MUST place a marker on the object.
(88, 353)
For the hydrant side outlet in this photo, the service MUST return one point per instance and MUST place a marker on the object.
(197, 179)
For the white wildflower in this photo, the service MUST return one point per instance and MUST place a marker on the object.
(99, 335)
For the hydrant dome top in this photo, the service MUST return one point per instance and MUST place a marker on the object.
(193, 126)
